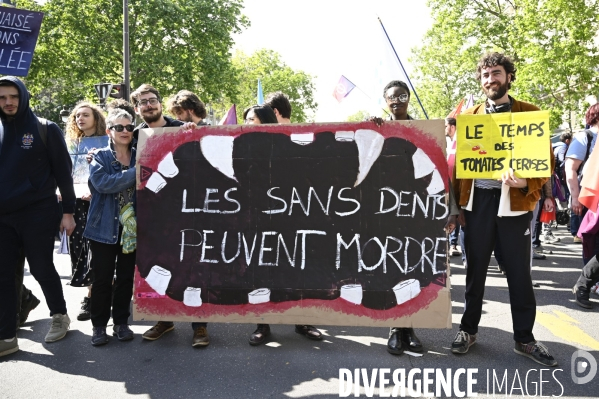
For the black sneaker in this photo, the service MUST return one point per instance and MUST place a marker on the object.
(99, 336)
(122, 332)
(462, 342)
(537, 352)
(582, 298)
(26, 307)
(84, 313)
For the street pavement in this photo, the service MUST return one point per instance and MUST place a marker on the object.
(291, 366)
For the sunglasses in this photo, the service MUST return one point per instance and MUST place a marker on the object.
(120, 128)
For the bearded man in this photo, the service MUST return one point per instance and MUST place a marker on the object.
(491, 216)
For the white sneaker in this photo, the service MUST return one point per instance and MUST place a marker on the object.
(59, 327)
(8, 346)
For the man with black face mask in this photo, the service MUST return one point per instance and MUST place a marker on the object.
(32, 165)
(491, 216)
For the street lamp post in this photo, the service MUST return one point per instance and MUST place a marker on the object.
(126, 82)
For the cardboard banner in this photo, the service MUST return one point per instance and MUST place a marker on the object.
(488, 145)
(325, 224)
(78, 150)
(19, 30)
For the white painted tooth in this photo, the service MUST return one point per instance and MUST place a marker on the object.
(436, 185)
(155, 182)
(406, 290)
(352, 293)
(423, 166)
(158, 279)
(302, 138)
(167, 167)
(218, 150)
(192, 297)
(261, 295)
(344, 135)
(370, 145)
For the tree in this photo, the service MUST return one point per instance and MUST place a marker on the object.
(553, 43)
(174, 44)
(274, 75)
(359, 116)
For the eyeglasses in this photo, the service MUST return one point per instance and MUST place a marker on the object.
(144, 103)
(402, 98)
(120, 128)
(248, 120)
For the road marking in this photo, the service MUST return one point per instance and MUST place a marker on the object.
(563, 326)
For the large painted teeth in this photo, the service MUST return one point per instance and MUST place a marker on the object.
(261, 295)
(158, 279)
(192, 297)
(155, 182)
(167, 167)
(370, 145)
(436, 185)
(302, 138)
(423, 166)
(218, 151)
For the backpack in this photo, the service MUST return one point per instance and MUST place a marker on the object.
(586, 156)
(42, 129)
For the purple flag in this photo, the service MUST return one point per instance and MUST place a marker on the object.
(230, 118)
(343, 88)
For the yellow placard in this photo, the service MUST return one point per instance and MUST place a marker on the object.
(490, 144)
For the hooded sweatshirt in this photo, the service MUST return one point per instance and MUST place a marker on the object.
(29, 169)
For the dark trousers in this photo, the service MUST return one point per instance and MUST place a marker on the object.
(22, 291)
(32, 230)
(589, 275)
(105, 258)
(484, 227)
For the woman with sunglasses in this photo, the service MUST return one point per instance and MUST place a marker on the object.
(111, 228)
(86, 120)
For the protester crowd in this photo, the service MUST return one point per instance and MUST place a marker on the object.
(102, 229)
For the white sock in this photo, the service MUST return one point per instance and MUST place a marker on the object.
(10, 340)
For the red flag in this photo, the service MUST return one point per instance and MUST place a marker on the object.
(343, 88)
(230, 118)
(457, 110)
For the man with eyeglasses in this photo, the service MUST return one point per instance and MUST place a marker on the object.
(147, 104)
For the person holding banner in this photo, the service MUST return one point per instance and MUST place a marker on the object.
(111, 229)
(86, 120)
(279, 102)
(397, 95)
(258, 115)
(188, 107)
(491, 217)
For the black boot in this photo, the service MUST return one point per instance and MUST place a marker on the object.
(84, 313)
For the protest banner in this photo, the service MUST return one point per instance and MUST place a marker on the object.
(19, 30)
(488, 145)
(326, 224)
(78, 150)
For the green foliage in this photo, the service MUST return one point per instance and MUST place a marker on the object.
(274, 75)
(359, 116)
(174, 44)
(553, 42)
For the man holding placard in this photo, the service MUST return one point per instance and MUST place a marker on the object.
(500, 169)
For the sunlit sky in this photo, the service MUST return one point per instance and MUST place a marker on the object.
(330, 38)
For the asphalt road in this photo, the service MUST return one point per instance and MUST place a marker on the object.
(291, 366)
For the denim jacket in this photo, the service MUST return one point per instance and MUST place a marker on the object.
(106, 181)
